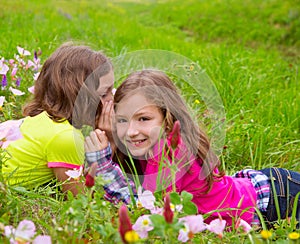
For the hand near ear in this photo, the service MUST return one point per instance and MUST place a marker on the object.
(104, 122)
(96, 141)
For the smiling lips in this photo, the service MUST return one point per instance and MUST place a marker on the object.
(136, 143)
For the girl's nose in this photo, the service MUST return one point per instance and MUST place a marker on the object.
(132, 130)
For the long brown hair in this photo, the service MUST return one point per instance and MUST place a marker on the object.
(160, 90)
(71, 70)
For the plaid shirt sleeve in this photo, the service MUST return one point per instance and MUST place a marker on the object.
(117, 189)
(261, 186)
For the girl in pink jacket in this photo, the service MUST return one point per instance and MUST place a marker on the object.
(171, 153)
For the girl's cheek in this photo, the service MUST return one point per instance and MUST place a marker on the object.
(120, 134)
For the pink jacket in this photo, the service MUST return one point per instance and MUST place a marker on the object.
(229, 197)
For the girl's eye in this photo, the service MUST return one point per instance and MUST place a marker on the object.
(121, 121)
(144, 118)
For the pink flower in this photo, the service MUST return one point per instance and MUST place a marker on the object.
(24, 232)
(14, 71)
(35, 64)
(23, 52)
(16, 92)
(9, 132)
(146, 199)
(192, 224)
(40, 239)
(244, 225)
(3, 67)
(124, 222)
(168, 213)
(36, 75)
(142, 226)
(217, 226)
(20, 60)
(31, 89)
(11, 61)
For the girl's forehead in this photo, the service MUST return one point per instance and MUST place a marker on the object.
(132, 104)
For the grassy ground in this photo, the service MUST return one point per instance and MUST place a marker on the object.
(250, 50)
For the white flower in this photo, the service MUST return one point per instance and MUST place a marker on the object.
(9, 132)
(75, 173)
(16, 92)
(217, 226)
(245, 226)
(2, 99)
(146, 199)
(192, 224)
(184, 233)
(142, 226)
(25, 231)
(177, 208)
(3, 67)
(42, 240)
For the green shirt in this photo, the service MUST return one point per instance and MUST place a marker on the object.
(45, 144)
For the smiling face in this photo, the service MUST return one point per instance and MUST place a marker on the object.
(138, 124)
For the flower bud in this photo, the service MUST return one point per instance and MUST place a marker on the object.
(124, 222)
(174, 136)
(168, 213)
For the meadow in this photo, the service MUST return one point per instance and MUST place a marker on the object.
(250, 50)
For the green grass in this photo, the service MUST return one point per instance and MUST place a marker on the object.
(250, 50)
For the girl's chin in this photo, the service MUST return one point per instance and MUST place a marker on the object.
(139, 154)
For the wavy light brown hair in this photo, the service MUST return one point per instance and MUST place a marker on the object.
(161, 91)
(66, 86)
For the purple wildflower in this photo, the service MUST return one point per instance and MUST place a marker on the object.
(4, 81)
(18, 82)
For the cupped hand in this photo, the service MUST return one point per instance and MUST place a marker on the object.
(96, 141)
(105, 120)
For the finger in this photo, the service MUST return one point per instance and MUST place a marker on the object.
(94, 138)
(87, 144)
(110, 108)
(106, 118)
(102, 138)
(101, 118)
(107, 114)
